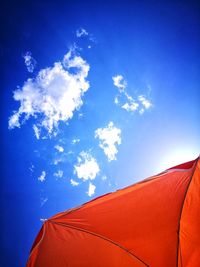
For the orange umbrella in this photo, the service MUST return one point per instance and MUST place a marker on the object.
(155, 223)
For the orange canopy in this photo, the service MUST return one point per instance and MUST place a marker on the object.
(154, 223)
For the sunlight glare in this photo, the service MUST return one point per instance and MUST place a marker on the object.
(177, 157)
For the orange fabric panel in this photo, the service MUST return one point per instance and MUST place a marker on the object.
(189, 246)
(143, 218)
(135, 226)
(63, 246)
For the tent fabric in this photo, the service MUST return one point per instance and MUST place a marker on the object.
(154, 223)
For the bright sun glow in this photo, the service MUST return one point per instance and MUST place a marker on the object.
(177, 157)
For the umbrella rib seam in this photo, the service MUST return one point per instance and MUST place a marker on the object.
(178, 243)
(102, 237)
(38, 244)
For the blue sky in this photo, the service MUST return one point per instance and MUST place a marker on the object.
(95, 96)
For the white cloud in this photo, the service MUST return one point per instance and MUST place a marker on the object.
(59, 148)
(61, 157)
(81, 32)
(127, 102)
(29, 61)
(43, 219)
(42, 177)
(109, 137)
(36, 131)
(130, 107)
(43, 200)
(116, 100)
(131, 104)
(91, 189)
(54, 94)
(144, 101)
(87, 166)
(141, 111)
(57, 160)
(119, 82)
(14, 121)
(80, 115)
(104, 177)
(73, 182)
(58, 174)
(32, 168)
(75, 141)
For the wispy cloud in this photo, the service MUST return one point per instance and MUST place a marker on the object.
(31, 168)
(144, 101)
(87, 166)
(43, 200)
(43, 220)
(104, 177)
(127, 102)
(42, 177)
(29, 61)
(91, 189)
(56, 161)
(59, 148)
(131, 104)
(14, 121)
(58, 174)
(75, 141)
(36, 131)
(73, 182)
(109, 137)
(54, 94)
(81, 32)
(119, 82)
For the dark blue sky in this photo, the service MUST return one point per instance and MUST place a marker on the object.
(130, 79)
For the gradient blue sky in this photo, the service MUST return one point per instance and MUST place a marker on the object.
(149, 48)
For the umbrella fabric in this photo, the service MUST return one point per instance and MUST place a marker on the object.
(155, 223)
